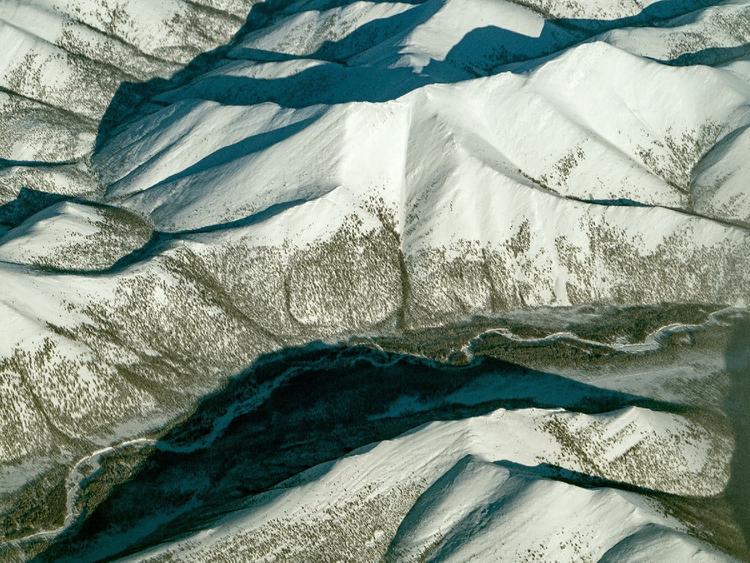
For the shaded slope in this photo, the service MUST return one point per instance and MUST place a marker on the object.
(295, 409)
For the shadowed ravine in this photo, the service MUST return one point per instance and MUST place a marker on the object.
(338, 82)
(301, 407)
(295, 409)
(738, 407)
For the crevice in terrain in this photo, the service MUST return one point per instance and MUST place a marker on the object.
(341, 388)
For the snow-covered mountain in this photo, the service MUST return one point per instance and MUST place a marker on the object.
(186, 186)
(63, 61)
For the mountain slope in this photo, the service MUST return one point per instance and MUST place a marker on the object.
(66, 60)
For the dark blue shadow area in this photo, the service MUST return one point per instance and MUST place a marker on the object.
(298, 408)
(737, 406)
(245, 147)
(481, 52)
(30, 201)
(133, 99)
(338, 79)
(712, 56)
(161, 241)
(5, 163)
(619, 202)
(493, 508)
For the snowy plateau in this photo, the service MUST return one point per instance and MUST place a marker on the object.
(335, 280)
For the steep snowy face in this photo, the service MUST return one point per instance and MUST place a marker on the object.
(188, 185)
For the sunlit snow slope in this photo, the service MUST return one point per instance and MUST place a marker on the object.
(189, 184)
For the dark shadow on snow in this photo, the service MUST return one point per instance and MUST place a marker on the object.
(326, 401)
(492, 507)
(338, 79)
(737, 406)
(712, 56)
(30, 201)
(158, 242)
